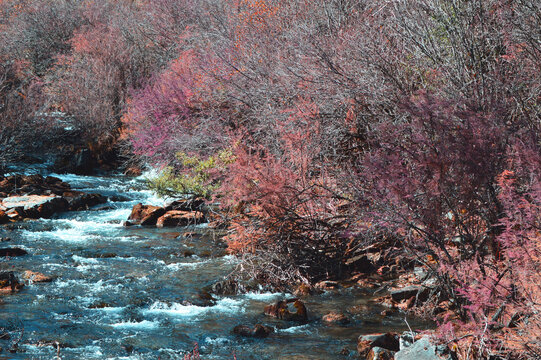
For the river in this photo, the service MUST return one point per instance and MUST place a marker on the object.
(131, 292)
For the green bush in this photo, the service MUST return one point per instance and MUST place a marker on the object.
(193, 176)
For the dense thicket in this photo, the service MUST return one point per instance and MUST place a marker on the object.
(320, 127)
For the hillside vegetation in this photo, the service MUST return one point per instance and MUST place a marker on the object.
(320, 127)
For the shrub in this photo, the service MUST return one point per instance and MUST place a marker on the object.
(197, 177)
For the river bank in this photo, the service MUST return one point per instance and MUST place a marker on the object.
(135, 292)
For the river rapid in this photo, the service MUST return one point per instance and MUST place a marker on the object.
(132, 293)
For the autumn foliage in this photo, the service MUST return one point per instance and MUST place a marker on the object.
(345, 123)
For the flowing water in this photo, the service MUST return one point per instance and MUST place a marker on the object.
(131, 293)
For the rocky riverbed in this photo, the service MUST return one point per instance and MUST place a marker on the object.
(84, 285)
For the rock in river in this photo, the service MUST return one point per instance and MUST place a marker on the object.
(4, 218)
(377, 353)
(78, 200)
(180, 218)
(388, 341)
(424, 349)
(145, 214)
(258, 331)
(281, 311)
(35, 206)
(36, 277)
(228, 287)
(11, 252)
(335, 318)
(9, 282)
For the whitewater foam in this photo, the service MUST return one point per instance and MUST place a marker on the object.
(223, 306)
(142, 325)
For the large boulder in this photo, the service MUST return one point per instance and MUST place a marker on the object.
(35, 206)
(424, 349)
(11, 252)
(388, 341)
(31, 185)
(47, 209)
(145, 214)
(180, 218)
(377, 353)
(78, 200)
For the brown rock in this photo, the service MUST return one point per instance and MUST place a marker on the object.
(385, 301)
(303, 290)
(36, 277)
(4, 218)
(336, 318)
(9, 283)
(180, 218)
(388, 341)
(406, 304)
(280, 310)
(11, 252)
(31, 185)
(206, 296)
(377, 353)
(363, 348)
(31, 180)
(145, 214)
(137, 212)
(30, 190)
(243, 330)
(78, 200)
(34, 206)
(15, 213)
(5, 185)
(49, 180)
(48, 209)
(327, 285)
(258, 331)
(99, 305)
(152, 216)
(366, 283)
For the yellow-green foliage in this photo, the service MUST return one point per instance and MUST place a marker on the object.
(195, 177)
